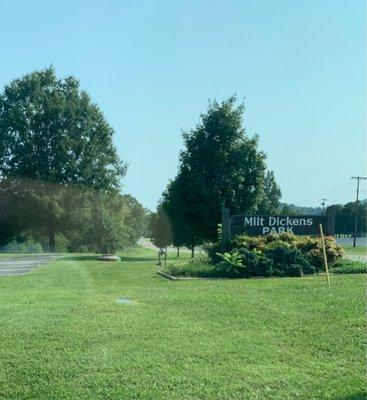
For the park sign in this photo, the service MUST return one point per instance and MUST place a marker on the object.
(257, 225)
(263, 225)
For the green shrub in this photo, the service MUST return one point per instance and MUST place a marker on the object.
(282, 255)
(309, 246)
(255, 263)
(198, 267)
(27, 246)
(293, 270)
(82, 249)
(348, 267)
(14, 247)
(34, 247)
(288, 259)
(225, 269)
(213, 251)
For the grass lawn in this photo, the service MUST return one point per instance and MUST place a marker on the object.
(358, 250)
(64, 336)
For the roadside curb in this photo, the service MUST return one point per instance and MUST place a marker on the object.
(170, 277)
(187, 278)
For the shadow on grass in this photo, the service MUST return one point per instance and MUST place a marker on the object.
(138, 259)
(89, 257)
(356, 396)
(95, 258)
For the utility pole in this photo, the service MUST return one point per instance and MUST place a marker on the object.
(323, 207)
(359, 178)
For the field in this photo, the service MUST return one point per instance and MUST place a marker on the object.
(358, 250)
(65, 336)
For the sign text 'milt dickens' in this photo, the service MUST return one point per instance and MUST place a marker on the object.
(262, 225)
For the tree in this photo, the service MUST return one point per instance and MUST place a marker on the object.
(177, 203)
(220, 166)
(108, 217)
(8, 224)
(51, 137)
(270, 195)
(344, 219)
(135, 221)
(161, 229)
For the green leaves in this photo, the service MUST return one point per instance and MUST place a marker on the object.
(220, 166)
(54, 142)
(51, 131)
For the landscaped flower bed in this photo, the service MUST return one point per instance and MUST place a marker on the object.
(270, 255)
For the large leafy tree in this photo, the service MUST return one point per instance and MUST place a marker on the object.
(270, 195)
(220, 166)
(52, 136)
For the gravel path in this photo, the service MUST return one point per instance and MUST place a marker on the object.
(23, 265)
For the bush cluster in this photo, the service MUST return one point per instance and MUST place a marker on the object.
(280, 255)
(196, 267)
(348, 267)
(28, 246)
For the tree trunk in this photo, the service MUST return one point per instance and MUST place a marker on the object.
(192, 251)
(178, 251)
(51, 237)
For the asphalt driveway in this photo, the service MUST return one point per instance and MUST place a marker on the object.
(23, 265)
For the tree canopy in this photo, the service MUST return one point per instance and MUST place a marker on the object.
(51, 131)
(160, 227)
(219, 166)
(54, 144)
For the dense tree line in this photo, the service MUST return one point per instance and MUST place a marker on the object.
(59, 170)
(344, 216)
(345, 219)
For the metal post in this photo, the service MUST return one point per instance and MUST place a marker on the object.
(226, 226)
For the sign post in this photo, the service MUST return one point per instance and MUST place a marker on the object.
(226, 226)
(325, 257)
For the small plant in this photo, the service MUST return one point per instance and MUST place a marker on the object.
(231, 265)
(233, 258)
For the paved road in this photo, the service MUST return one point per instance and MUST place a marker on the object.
(145, 242)
(362, 258)
(360, 241)
(348, 242)
(23, 265)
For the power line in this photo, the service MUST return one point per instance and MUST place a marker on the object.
(341, 193)
(340, 186)
(330, 195)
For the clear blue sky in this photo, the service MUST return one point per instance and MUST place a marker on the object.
(152, 65)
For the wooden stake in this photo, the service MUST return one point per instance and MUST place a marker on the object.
(325, 258)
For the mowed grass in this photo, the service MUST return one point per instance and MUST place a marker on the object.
(358, 250)
(63, 335)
